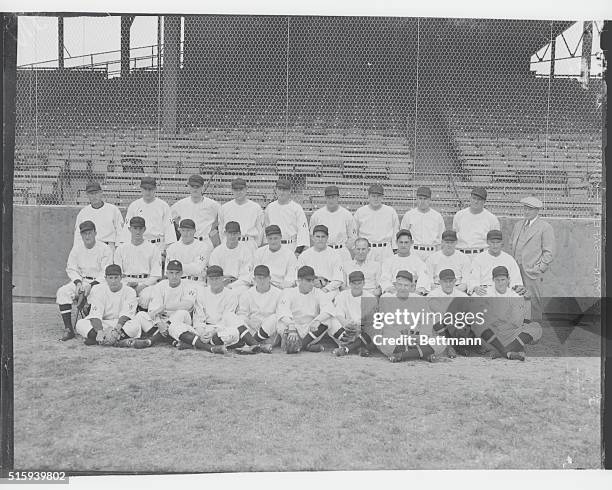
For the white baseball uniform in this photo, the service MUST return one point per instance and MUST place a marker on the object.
(438, 293)
(482, 270)
(108, 221)
(158, 222)
(458, 262)
(299, 309)
(410, 263)
(194, 258)
(142, 260)
(292, 221)
(341, 227)
(281, 264)
(249, 216)
(351, 309)
(326, 263)
(371, 271)
(236, 262)
(472, 228)
(204, 214)
(379, 227)
(426, 229)
(260, 309)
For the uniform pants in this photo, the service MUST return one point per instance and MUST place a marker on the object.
(84, 326)
(142, 323)
(226, 329)
(67, 293)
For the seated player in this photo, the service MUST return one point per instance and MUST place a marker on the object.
(191, 253)
(447, 286)
(235, 258)
(325, 261)
(140, 261)
(280, 260)
(354, 307)
(113, 305)
(304, 314)
(216, 327)
(448, 257)
(404, 260)
(172, 301)
(504, 327)
(85, 268)
(369, 268)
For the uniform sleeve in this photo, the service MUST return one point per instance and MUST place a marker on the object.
(351, 230)
(386, 281)
(128, 308)
(96, 300)
(357, 218)
(395, 225)
(441, 229)
(169, 232)
(303, 235)
(72, 267)
(106, 260)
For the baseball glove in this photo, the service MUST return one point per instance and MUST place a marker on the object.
(108, 336)
(351, 332)
(292, 342)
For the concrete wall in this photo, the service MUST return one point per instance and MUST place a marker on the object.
(43, 238)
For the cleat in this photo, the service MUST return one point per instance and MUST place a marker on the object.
(516, 356)
(395, 358)
(340, 351)
(450, 352)
(247, 349)
(315, 348)
(263, 348)
(68, 334)
(141, 343)
(90, 342)
(218, 349)
(125, 343)
(363, 352)
(431, 358)
(180, 345)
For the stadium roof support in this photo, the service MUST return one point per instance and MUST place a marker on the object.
(60, 42)
(126, 25)
(170, 69)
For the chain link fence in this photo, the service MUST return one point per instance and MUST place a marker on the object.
(448, 103)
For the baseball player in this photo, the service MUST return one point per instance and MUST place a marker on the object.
(480, 277)
(447, 286)
(325, 262)
(371, 269)
(191, 253)
(113, 305)
(304, 315)
(473, 223)
(378, 223)
(248, 214)
(404, 260)
(140, 261)
(106, 217)
(354, 307)
(200, 209)
(449, 258)
(86, 264)
(290, 217)
(155, 212)
(280, 260)
(339, 222)
(235, 258)
(504, 327)
(425, 224)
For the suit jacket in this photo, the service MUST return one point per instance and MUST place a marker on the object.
(533, 248)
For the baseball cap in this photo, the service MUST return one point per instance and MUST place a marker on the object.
(113, 270)
(238, 183)
(261, 270)
(532, 202)
(449, 236)
(423, 192)
(403, 233)
(321, 228)
(196, 180)
(356, 276)
(305, 272)
(283, 184)
(187, 223)
(86, 226)
(447, 274)
(232, 227)
(137, 221)
(480, 192)
(376, 189)
(500, 270)
(332, 190)
(148, 183)
(174, 265)
(273, 230)
(214, 271)
(494, 235)
(405, 275)
(92, 187)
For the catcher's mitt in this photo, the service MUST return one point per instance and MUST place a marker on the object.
(351, 332)
(291, 342)
(108, 336)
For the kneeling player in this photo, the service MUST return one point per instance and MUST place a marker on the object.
(504, 327)
(113, 305)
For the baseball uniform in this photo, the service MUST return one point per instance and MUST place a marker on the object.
(341, 228)
(371, 270)
(108, 221)
(351, 309)
(438, 293)
(204, 213)
(249, 216)
(482, 268)
(259, 308)
(472, 230)
(410, 263)
(299, 309)
(141, 264)
(292, 221)
(379, 227)
(236, 262)
(158, 222)
(326, 263)
(282, 265)
(458, 262)
(194, 258)
(426, 229)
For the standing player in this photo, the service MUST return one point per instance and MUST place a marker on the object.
(425, 224)
(290, 217)
(339, 222)
(235, 258)
(280, 260)
(371, 269)
(200, 209)
(248, 214)
(449, 258)
(140, 261)
(85, 268)
(404, 260)
(105, 216)
(193, 254)
(325, 262)
(155, 212)
(473, 223)
(378, 223)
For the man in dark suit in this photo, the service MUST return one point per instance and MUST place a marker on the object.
(533, 247)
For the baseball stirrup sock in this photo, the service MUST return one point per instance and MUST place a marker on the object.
(245, 336)
(261, 335)
(92, 334)
(339, 333)
(66, 312)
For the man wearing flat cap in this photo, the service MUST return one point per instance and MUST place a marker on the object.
(156, 213)
(290, 217)
(193, 254)
(378, 223)
(339, 221)
(425, 224)
(235, 258)
(106, 217)
(473, 223)
(533, 247)
(248, 214)
(279, 260)
(202, 210)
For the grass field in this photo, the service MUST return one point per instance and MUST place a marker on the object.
(94, 408)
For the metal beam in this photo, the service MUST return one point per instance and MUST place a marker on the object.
(126, 24)
(60, 42)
